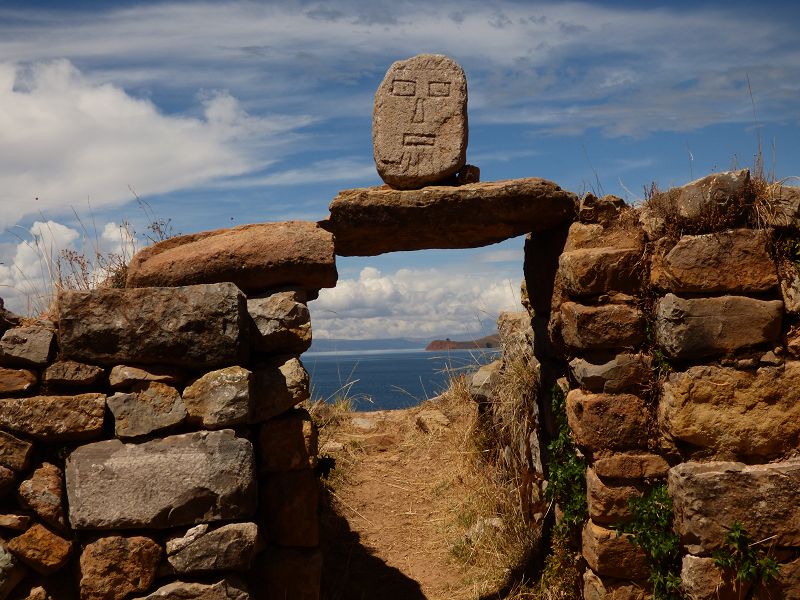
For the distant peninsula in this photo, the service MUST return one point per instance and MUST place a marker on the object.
(490, 341)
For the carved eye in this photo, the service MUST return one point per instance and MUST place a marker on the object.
(439, 88)
(403, 87)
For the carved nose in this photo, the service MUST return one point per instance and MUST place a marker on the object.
(419, 111)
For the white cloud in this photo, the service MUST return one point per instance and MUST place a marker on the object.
(412, 303)
(566, 65)
(569, 65)
(50, 253)
(335, 169)
(499, 256)
(64, 139)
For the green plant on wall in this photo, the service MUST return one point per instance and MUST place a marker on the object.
(791, 250)
(567, 471)
(651, 529)
(743, 557)
(566, 486)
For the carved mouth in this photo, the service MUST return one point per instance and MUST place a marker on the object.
(419, 139)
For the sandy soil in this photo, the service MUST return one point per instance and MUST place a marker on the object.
(394, 505)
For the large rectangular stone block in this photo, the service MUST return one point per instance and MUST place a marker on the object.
(593, 271)
(605, 327)
(195, 326)
(736, 261)
(370, 221)
(612, 555)
(179, 480)
(740, 415)
(608, 421)
(700, 327)
(288, 442)
(709, 497)
(289, 505)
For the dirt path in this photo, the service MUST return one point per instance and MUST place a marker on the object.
(395, 505)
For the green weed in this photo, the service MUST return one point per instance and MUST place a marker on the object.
(651, 530)
(742, 556)
(567, 470)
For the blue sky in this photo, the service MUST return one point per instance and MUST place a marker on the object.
(224, 113)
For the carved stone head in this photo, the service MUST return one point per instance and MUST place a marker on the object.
(419, 125)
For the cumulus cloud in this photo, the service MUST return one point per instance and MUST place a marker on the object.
(50, 254)
(64, 138)
(412, 303)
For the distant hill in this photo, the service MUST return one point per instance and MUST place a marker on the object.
(338, 345)
(490, 341)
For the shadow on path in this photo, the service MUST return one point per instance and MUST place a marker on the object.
(350, 571)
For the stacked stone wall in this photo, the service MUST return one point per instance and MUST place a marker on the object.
(150, 440)
(151, 445)
(680, 357)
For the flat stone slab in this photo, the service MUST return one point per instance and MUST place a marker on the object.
(593, 271)
(15, 381)
(370, 221)
(699, 327)
(124, 376)
(204, 549)
(55, 418)
(621, 373)
(227, 589)
(179, 480)
(194, 326)
(708, 497)
(68, 373)
(419, 123)
(256, 258)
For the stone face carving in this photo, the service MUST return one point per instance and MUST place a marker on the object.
(419, 124)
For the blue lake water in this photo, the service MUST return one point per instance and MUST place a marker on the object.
(387, 379)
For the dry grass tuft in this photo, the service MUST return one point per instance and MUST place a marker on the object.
(494, 538)
(89, 267)
(736, 211)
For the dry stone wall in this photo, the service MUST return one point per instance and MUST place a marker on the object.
(150, 444)
(677, 340)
